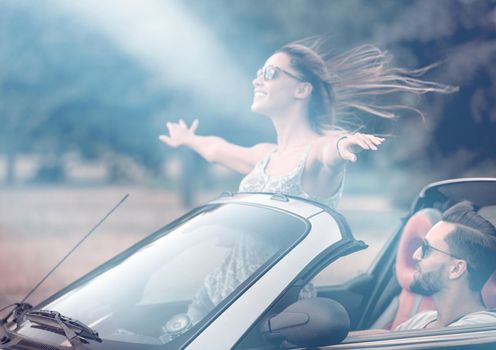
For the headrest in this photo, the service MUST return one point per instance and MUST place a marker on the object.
(414, 231)
(489, 292)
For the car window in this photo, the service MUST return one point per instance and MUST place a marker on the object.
(372, 224)
(489, 213)
(182, 275)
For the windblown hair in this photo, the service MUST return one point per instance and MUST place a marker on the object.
(473, 240)
(351, 81)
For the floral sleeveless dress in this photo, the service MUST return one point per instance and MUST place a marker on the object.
(258, 181)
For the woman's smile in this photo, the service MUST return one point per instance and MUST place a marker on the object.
(259, 93)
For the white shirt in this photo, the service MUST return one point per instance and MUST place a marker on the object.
(421, 320)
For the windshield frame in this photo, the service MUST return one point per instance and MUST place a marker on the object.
(212, 316)
(166, 230)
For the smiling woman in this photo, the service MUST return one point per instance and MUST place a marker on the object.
(305, 93)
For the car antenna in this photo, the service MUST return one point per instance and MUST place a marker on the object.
(22, 307)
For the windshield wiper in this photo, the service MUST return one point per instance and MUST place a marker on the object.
(45, 317)
(74, 330)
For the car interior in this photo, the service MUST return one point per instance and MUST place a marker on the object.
(407, 303)
(390, 302)
(380, 298)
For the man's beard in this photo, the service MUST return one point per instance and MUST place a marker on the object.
(427, 283)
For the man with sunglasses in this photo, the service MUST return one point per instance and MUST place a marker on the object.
(454, 261)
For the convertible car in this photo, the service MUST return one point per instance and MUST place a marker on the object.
(236, 273)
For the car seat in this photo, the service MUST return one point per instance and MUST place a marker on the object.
(414, 232)
(489, 292)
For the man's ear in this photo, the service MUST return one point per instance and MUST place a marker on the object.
(457, 269)
(304, 90)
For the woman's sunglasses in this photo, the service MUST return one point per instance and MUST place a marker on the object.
(425, 248)
(270, 73)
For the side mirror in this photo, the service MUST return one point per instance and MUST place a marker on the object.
(309, 323)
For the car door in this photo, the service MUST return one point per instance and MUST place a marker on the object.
(364, 282)
(464, 337)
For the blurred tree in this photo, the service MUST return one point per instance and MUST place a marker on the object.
(65, 88)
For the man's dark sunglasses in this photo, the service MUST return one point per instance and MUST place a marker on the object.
(425, 247)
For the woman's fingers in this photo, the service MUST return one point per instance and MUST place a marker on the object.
(182, 124)
(348, 155)
(376, 140)
(358, 140)
(362, 141)
(194, 125)
(165, 139)
(367, 141)
(179, 132)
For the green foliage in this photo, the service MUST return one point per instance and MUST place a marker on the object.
(67, 88)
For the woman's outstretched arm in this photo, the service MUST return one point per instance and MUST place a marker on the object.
(215, 149)
(345, 147)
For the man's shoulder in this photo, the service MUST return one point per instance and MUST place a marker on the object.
(422, 319)
(418, 321)
(484, 316)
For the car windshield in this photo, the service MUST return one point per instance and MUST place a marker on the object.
(182, 276)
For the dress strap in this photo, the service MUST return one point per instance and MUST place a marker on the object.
(305, 154)
(266, 160)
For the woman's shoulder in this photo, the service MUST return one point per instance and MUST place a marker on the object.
(263, 147)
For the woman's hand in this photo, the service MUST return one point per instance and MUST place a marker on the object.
(179, 133)
(347, 146)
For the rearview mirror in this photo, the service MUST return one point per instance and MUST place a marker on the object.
(308, 323)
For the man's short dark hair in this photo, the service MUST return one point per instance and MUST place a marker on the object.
(473, 240)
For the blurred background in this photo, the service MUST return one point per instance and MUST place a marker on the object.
(86, 88)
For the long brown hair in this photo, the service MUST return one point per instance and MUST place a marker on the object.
(350, 82)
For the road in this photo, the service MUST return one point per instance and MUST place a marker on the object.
(39, 225)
